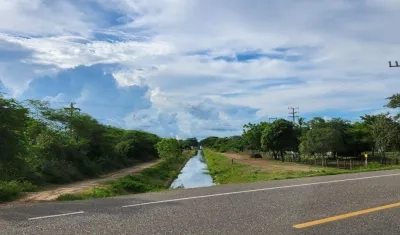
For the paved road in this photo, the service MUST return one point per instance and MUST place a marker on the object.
(273, 207)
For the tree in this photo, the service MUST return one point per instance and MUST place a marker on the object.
(301, 122)
(279, 137)
(226, 144)
(385, 133)
(360, 138)
(394, 103)
(46, 145)
(321, 140)
(189, 142)
(209, 141)
(252, 135)
(317, 122)
(169, 148)
(13, 119)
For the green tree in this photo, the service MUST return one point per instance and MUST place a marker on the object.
(190, 142)
(321, 140)
(361, 138)
(229, 144)
(169, 148)
(208, 142)
(301, 122)
(280, 136)
(394, 103)
(385, 133)
(252, 135)
(13, 119)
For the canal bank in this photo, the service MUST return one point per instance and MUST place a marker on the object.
(194, 173)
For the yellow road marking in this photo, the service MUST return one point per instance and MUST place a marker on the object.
(344, 216)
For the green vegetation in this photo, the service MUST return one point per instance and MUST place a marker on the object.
(169, 148)
(41, 145)
(152, 179)
(12, 189)
(227, 144)
(309, 142)
(189, 143)
(319, 138)
(224, 172)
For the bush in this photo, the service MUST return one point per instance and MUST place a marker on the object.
(13, 189)
(169, 148)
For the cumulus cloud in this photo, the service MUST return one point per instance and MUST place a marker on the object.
(205, 67)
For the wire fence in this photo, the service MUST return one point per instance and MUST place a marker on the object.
(340, 162)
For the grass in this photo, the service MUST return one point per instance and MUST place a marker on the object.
(156, 178)
(12, 190)
(224, 172)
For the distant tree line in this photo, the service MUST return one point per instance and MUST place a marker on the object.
(377, 134)
(189, 143)
(224, 144)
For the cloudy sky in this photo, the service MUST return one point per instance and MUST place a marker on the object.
(201, 67)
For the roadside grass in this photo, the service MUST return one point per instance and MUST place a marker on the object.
(156, 178)
(224, 172)
(12, 190)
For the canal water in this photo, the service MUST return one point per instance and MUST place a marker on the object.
(194, 174)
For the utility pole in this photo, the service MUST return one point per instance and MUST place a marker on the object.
(292, 114)
(71, 110)
(396, 64)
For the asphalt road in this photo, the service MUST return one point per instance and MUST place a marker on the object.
(274, 207)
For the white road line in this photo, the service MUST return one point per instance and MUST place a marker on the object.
(261, 189)
(51, 216)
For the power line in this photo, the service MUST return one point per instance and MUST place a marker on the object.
(292, 113)
(272, 118)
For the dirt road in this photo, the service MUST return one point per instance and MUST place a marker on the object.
(266, 164)
(53, 193)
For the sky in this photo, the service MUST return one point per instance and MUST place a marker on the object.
(198, 68)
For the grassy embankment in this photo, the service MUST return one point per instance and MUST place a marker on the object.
(156, 178)
(224, 172)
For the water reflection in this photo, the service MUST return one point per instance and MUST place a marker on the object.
(194, 174)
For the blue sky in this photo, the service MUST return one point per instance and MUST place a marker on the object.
(185, 68)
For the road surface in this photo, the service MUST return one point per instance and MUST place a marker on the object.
(362, 203)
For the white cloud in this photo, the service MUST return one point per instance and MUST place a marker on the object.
(325, 55)
(42, 17)
(69, 51)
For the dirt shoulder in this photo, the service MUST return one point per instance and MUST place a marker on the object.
(266, 164)
(53, 193)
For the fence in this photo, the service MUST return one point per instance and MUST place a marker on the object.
(339, 162)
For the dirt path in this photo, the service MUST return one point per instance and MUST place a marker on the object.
(266, 164)
(53, 193)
